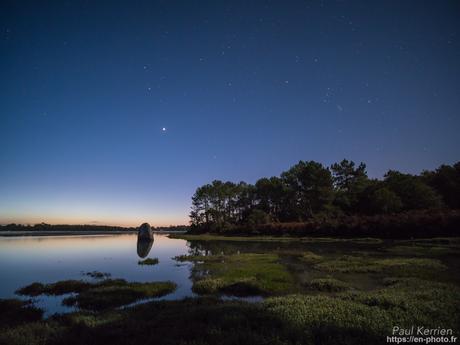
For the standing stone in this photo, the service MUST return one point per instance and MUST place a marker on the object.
(145, 232)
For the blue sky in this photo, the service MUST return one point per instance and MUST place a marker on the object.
(244, 90)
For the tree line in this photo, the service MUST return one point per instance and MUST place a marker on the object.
(310, 191)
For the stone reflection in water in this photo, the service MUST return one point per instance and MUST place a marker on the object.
(143, 247)
(144, 240)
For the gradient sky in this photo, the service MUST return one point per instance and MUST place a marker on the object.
(245, 89)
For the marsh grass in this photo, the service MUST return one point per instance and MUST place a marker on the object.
(58, 288)
(149, 261)
(65, 286)
(100, 295)
(319, 309)
(32, 290)
(328, 285)
(208, 286)
(366, 317)
(310, 257)
(343, 318)
(365, 264)
(424, 250)
(110, 296)
(14, 312)
(241, 274)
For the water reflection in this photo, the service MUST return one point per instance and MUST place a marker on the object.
(143, 247)
(48, 259)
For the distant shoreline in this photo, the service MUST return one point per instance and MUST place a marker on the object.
(20, 233)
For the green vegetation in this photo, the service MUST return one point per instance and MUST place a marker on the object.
(310, 199)
(422, 250)
(367, 317)
(363, 264)
(310, 257)
(101, 295)
(58, 288)
(328, 285)
(208, 286)
(316, 292)
(149, 261)
(66, 286)
(110, 296)
(344, 318)
(241, 274)
(14, 312)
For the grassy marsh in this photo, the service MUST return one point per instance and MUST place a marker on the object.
(111, 296)
(364, 264)
(242, 274)
(328, 285)
(103, 294)
(344, 318)
(326, 292)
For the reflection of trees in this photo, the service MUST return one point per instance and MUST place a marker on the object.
(229, 247)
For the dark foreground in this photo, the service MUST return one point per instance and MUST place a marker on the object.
(342, 319)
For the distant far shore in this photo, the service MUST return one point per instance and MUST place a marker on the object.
(69, 230)
(63, 233)
(79, 233)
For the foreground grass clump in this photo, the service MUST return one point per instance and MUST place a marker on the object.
(58, 288)
(363, 264)
(97, 275)
(417, 301)
(14, 312)
(238, 287)
(366, 318)
(100, 295)
(110, 296)
(149, 261)
(310, 257)
(208, 286)
(241, 274)
(422, 250)
(328, 285)
(65, 286)
(192, 321)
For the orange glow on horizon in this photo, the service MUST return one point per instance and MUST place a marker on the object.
(85, 221)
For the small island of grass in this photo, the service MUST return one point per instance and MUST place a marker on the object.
(149, 261)
(104, 294)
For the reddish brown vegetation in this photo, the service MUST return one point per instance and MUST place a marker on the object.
(413, 224)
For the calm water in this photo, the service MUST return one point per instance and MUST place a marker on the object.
(47, 259)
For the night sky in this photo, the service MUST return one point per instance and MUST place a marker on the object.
(115, 112)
